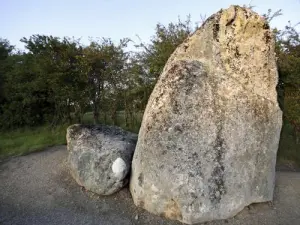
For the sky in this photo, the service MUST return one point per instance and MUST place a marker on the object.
(117, 19)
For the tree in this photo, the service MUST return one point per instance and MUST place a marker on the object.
(105, 63)
(25, 102)
(59, 61)
(162, 45)
(288, 53)
(5, 50)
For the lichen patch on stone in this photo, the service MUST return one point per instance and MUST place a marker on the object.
(118, 167)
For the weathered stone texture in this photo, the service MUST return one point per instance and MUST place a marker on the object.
(100, 156)
(209, 137)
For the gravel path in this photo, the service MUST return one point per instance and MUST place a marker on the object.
(37, 189)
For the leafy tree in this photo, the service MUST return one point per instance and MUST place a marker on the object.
(288, 53)
(24, 93)
(105, 64)
(5, 50)
(163, 44)
(59, 62)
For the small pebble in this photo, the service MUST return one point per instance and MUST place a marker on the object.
(136, 217)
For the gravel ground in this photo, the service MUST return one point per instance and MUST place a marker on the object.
(37, 189)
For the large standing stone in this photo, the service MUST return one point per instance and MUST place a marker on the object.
(100, 156)
(208, 141)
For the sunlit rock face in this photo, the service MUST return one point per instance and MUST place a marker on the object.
(209, 137)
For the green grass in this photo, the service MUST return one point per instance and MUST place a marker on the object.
(24, 141)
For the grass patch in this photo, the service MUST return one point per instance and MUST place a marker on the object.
(27, 140)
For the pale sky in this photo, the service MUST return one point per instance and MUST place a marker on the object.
(116, 18)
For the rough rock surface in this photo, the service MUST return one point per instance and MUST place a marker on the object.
(209, 137)
(100, 156)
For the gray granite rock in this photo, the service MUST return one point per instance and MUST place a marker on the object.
(100, 156)
(209, 136)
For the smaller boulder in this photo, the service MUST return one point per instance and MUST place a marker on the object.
(100, 156)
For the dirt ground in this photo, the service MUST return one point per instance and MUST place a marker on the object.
(37, 189)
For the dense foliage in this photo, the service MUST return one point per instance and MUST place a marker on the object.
(57, 80)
